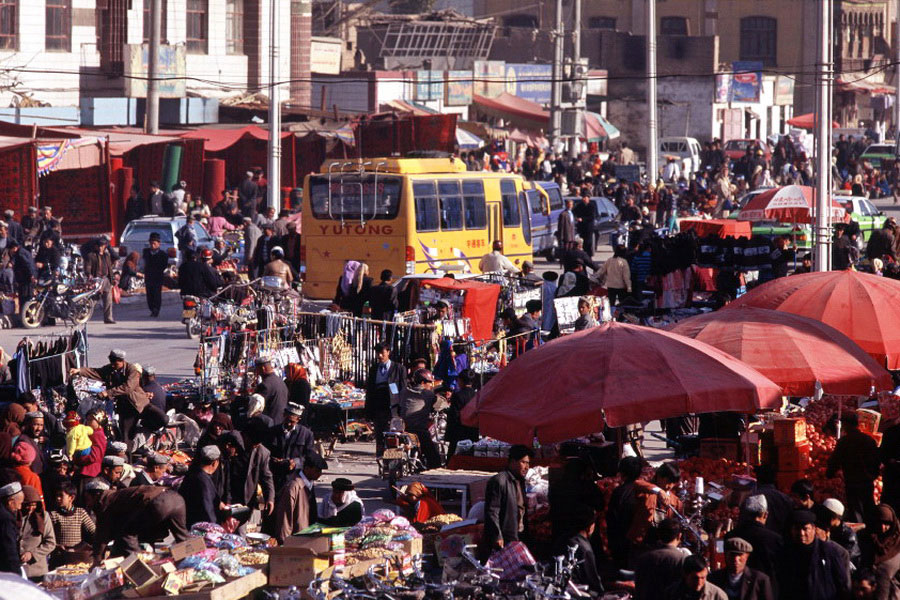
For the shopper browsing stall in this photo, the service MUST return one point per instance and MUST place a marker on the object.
(343, 508)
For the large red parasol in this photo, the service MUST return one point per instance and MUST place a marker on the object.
(793, 351)
(809, 121)
(787, 204)
(864, 307)
(631, 374)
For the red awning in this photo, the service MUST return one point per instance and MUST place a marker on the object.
(720, 227)
(512, 108)
(808, 121)
(220, 139)
(479, 304)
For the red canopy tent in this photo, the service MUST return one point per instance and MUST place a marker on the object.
(808, 121)
(479, 302)
(720, 227)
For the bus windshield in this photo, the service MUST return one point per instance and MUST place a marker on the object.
(354, 197)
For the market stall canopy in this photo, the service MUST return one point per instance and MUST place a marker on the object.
(221, 139)
(479, 304)
(793, 351)
(864, 307)
(788, 204)
(860, 82)
(628, 373)
(597, 128)
(517, 111)
(719, 227)
(467, 141)
(808, 121)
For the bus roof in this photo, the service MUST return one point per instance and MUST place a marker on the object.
(401, 166)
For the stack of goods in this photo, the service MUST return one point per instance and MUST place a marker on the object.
(381, 535)
(437, 522)
(182, 393)
(792, 451)
(346, 394)
(490, 447)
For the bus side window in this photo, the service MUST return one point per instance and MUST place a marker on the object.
(556, 201)
(510, 201)
(451, 206)
(473, 199)
(535, 201)
(426, 206)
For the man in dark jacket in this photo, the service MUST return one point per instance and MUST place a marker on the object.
(11, 499)
(156, 393)
(565, 226)
(385, 384)
(383, 298)
(767, 544)
(620, 510)
(98, 264)
(197, 277)
(504, 500)
(694, 583)
(586, 573)
(778, 504)
(811, 568)
(201, 499)
(155, 263)
(737, 580)
(248, 193)
(856, 455)
(654, 571)
(23, 270)
(157, 466)
(262, 252)
(14, 228)
(272, 388)
(840, 259)
(585, 213)
(290, 444)
(246, 467)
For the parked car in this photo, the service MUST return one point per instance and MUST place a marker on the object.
(606, 219)
(735, 149)
(136, 236)
(863, 212)
(876, 153)
(685, 148)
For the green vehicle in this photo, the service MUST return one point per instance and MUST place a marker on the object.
(863, 212)
(876, 153)
(801, 233)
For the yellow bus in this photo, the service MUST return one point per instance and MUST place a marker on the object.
(409, 215)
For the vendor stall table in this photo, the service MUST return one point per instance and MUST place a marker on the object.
(469, 484)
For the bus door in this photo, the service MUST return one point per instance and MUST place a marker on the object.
(494, 223)
(514, 213)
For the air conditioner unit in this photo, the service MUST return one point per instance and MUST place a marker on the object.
(572, 123)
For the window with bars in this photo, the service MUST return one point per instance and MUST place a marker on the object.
(673, 26)
(162, 26)
(196, 37)
(234, 26)
(58, 29)
(759, 40)
(9, 30)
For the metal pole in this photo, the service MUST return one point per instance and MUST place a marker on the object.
(574, 141)
(897, 72)
(652, 119)
(274, 182)
(151, 124)
(823, 141)
(556, 88)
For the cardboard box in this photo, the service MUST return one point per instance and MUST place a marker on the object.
(875, 436)
(187, 548)
(869, 420)
(785, 479)
(232, 590)
(412, 547)
(794, 458)
(317, 544)
(716, 448)
(295, 566)
(789, 432)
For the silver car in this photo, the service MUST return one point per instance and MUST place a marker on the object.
(136, 236)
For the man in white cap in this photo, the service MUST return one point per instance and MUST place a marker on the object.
(11, 499)
(123, 384)
(202, 501)
(290, 443)
(831, 517)
(272, 388)
(277, 267)
(157, 465)
(111, 469)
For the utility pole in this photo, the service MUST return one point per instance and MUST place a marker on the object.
(274, 179)
(823, 139)
(652, 119)
(897, 72)
(151, 124)
(556, 88)
(576, 59)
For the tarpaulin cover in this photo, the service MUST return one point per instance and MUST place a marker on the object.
(630, 373)
(519, 111)
(82, 197)
(18, 177)
(220, 139)
(720, 227)
(793, 351)
(864, 307)
(479, 303)
(787, 204)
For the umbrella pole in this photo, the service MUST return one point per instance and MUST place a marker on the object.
(840, 408)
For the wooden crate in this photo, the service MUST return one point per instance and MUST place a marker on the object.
(233, 590)
(794, 458)
(790, 431)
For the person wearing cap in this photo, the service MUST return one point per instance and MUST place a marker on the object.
(155, 392)
(197, 277)
(14, 228)
(290, 442)
(123, 385)
(146, 513)
(11, 500)
(856, 456)
(737, 580)
(767, 544)
(831, 521)
(811, 568)
(416, 407)
(34, 434)
(186, 237)
(262, 252)
(296, 507)
(111, 470)
(99, 265)
(277, 267)
(343, 508)
(272, 388)
(157, 466)
(23, 269)
(528, 276)
(202, 500)
(37, 538)
(153, 264)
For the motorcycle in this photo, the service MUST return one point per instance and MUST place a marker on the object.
(191, 308)
(58, 300)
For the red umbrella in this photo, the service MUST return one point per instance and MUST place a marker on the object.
(628, 373)
(864, 307)
(793, 351)
(809, 121)
(787, 204)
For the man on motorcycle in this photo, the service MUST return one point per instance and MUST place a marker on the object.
(197, 277)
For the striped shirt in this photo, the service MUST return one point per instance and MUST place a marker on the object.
(72, 528)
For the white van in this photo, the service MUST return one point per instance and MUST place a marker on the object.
(685, 148)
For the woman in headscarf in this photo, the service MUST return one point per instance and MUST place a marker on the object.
(345, 283)
(880, 545)
(298, 386)
(37, 538)
(7, 474)
(419, 502)
(22, 456)
(129, 271)
(219, 424)
(13, 419)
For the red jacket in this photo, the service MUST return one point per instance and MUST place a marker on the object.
(89, 466)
